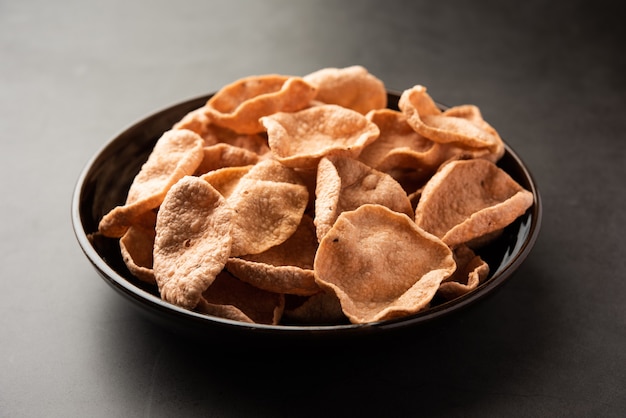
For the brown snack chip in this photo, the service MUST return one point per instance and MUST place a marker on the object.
(224, 180)
(320, 308)
(267, 211)
(471, 270)
(473, 114)
(285, 268)
(380, 264)
(344, 184)
(401, 152)
(136, 247)
(425, 117)
(256, 143)
(239, 105)
(230, 298)
(302, 138)
(196, 121)
(223, 155)
(192, 242)
(469, 199)
(350, 87)
(176, 154)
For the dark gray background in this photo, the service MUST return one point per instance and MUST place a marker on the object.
(550, 78)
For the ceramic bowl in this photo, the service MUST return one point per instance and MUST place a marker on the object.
(104, 183)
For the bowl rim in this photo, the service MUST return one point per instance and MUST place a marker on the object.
(155, 304)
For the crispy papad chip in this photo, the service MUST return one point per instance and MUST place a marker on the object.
(270, 170)
(196, 121)
(344, 184)
(473, 114)
(425, 117)
(401, 152)
(224, 155)
(224, 180)
(285, 268)
(177, 153)
(471, 270)
(267, 211)
(192, 241)
(256, 143)
(239, 105)
(230, 298)
(380, 264)
(136, 247)
(350, 87)
(398, 144)
(301, 139)
(319, 309)
(468, 199)
(411, 158)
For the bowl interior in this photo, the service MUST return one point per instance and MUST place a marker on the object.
(104, 182)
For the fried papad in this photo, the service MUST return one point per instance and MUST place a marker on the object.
(192, 242)
(239, 105)
(285, 268)
(224, 180)
(196, 121)
(224, 155)
(471, 270)
(176, 154)
(469, 199)
(136, 246)
(256, 143)
(269, 202)
(401, 152)
(380, 264)
(350, 87)
(344, 184)
(230, 298)
(322, 308)
(301, 139)
(423, 114)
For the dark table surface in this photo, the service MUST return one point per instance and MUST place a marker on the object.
(550, 78)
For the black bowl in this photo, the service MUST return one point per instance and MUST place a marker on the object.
(105, 180)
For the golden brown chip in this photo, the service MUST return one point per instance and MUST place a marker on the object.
(256, 143)
(267, 211)
(177, 153)
(344, 184)
(192, 241)
(425, 117)
(473, 115)
(471, 270)
(350, 87)
(398, 144)
(285, 268)
(401, 152)
(302, 138)
(230, 298)
(380, 264)
(224, 180)
(468, 199)
(239, 105)
(320, 308)
(270, 170)
(196, 121)
(224, 155)
(136, 247)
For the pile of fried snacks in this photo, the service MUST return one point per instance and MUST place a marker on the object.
(305, 200)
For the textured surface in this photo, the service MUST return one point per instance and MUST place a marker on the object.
(549, 78)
